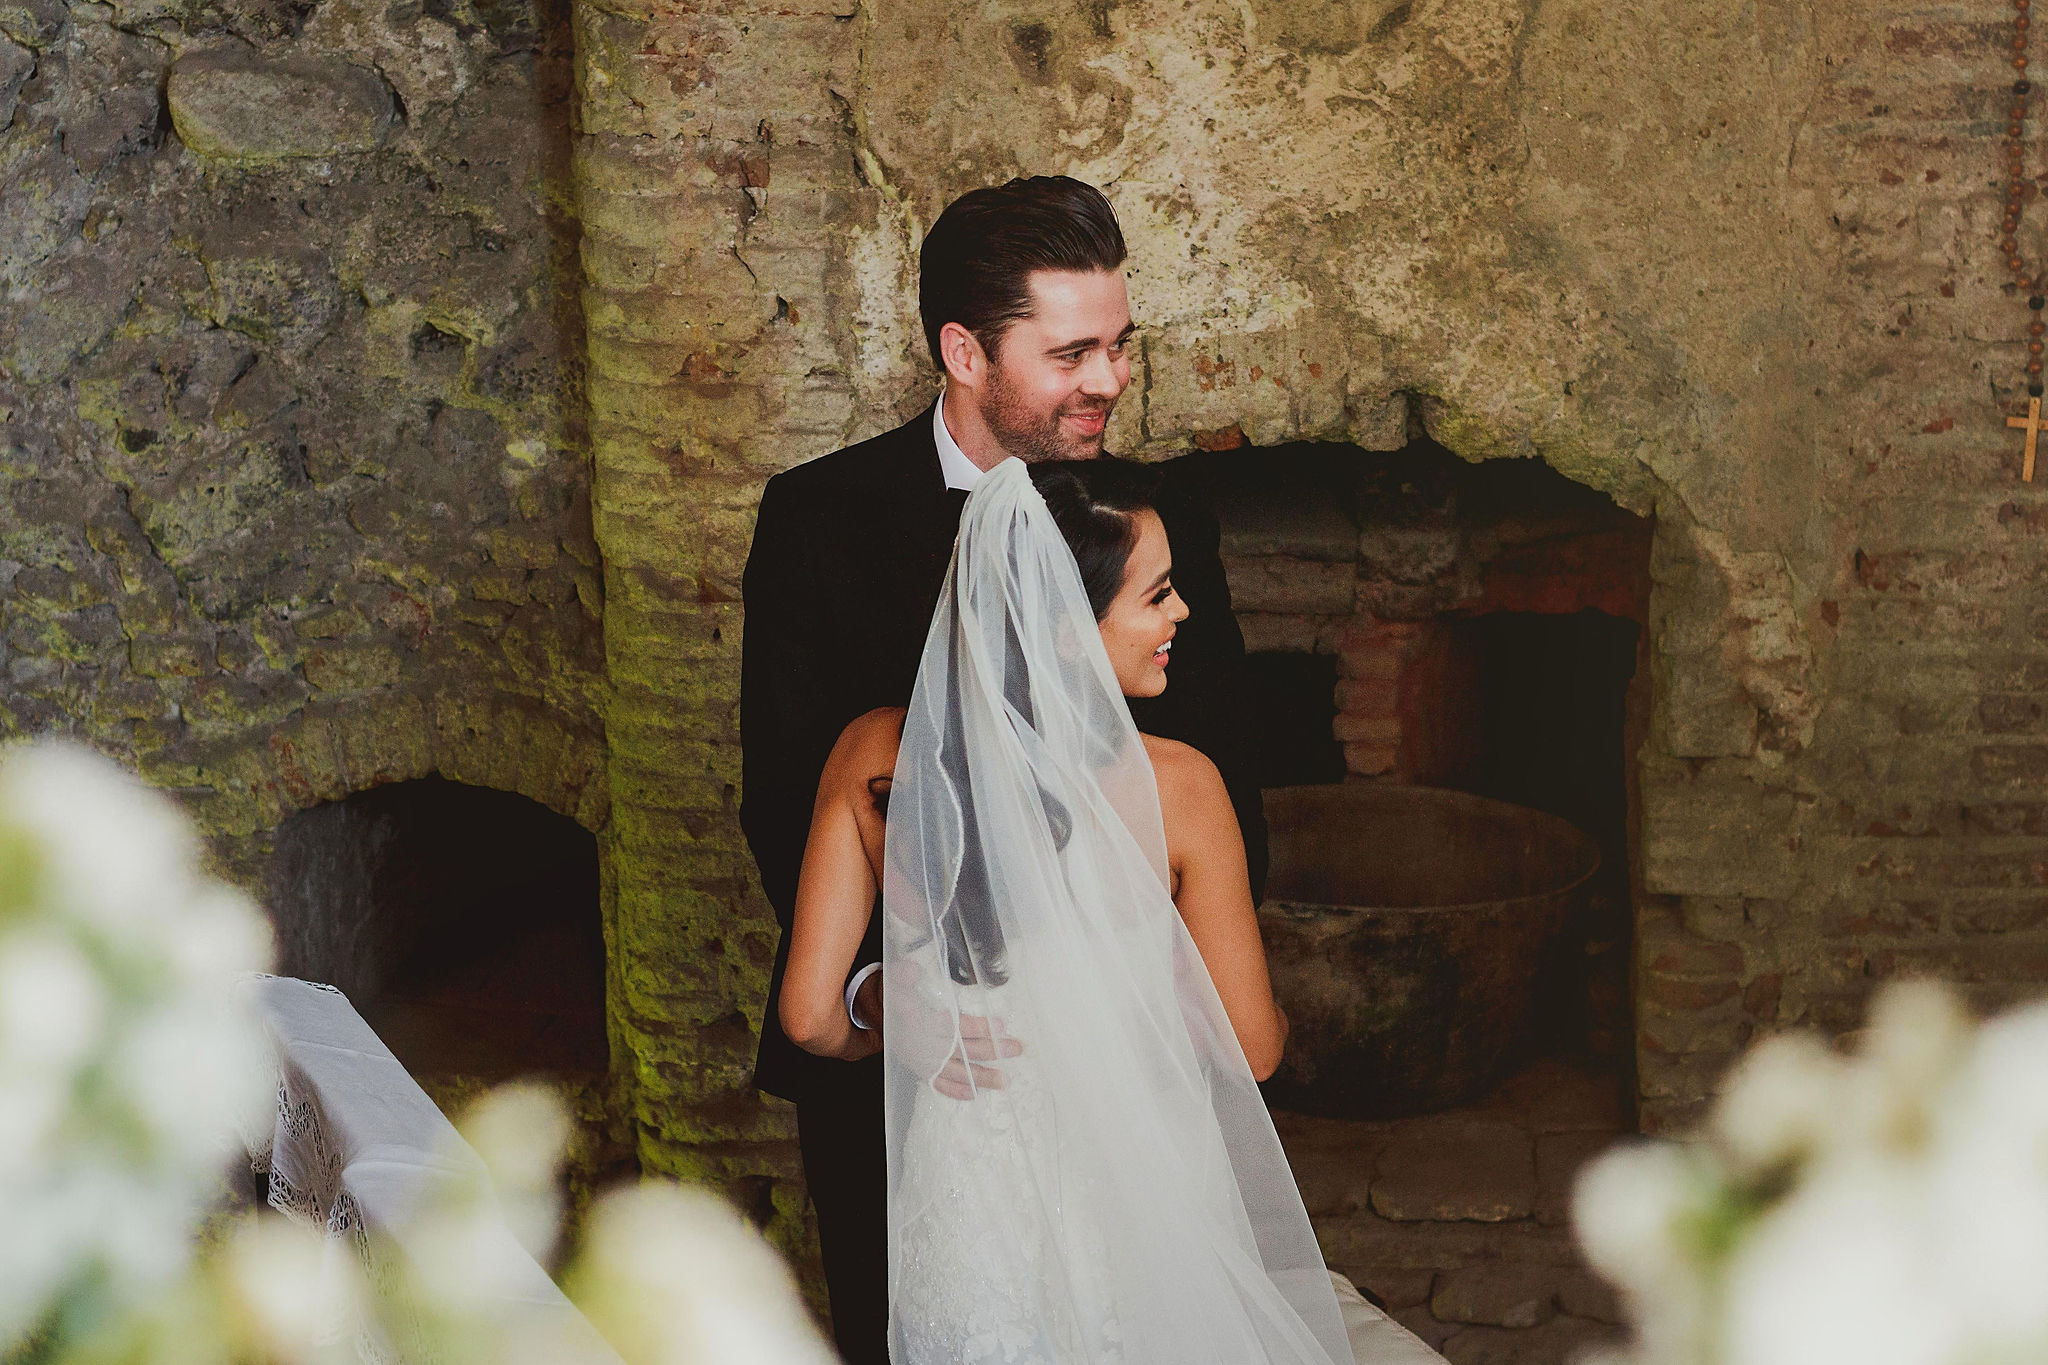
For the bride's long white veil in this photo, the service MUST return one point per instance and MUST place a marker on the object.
(1122, 1196)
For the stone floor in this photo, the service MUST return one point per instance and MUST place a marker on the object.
(1459, 1221)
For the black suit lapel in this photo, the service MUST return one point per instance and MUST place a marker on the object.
(917, 519)
(931, 510)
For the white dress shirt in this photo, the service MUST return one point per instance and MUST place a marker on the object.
(960, 472)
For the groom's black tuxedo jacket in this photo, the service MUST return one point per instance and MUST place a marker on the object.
(850, 551)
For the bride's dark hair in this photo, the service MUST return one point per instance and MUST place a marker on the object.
(1092, 502)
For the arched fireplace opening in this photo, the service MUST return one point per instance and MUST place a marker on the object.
(462, 922)
(1416, 619)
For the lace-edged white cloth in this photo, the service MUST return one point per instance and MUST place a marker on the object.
(357, 1148)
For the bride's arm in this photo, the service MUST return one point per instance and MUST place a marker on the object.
(835, 896)
(1214, 896)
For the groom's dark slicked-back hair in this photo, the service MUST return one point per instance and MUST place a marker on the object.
(976, 263)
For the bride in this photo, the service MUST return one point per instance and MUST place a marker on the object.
(1081, 1170)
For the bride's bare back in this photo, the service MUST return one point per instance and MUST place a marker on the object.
(836, 891)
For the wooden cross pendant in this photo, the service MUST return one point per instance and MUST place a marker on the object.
(2033, 423)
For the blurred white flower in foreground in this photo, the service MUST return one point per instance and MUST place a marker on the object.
(673, 1276)
(125, 1071)
(1885, 1208)
(128, 1076)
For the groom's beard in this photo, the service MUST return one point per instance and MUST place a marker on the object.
(1032, 434)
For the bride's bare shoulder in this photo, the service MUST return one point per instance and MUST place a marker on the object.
(884, 724)
(1187, 779)
(869, 742)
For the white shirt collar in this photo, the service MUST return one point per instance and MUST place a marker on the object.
(960, 471)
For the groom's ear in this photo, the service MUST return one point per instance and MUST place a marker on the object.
(966, 363)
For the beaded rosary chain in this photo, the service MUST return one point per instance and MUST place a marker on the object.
(2016, 152)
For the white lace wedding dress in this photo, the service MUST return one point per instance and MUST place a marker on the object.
(1032, 1297)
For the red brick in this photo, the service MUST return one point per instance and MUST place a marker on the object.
(1715, 1031)
(1367, 696)
(2006, 714)
(2006, 817)
(1352, 728)
(1369, 760)
(1882, 919)
(1678, 993)
(1695, 958)
(1997, 959)
(1760, 998)
(1935, 868)
(2001, 916)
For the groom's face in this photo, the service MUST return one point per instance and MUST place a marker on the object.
(1057, 373)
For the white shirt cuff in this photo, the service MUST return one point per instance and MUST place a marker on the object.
(853, 988)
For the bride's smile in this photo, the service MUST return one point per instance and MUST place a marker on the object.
(1139, 625)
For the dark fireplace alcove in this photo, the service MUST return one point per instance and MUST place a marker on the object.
(1414, 618)
(462, 922)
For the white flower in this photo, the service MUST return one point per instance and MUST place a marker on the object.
(1917, 1038)
(1630, 1207)
(1988, 1169)
(464, 1259)
(141, 1226)
(129, 1066)
(673, 1276)
(35, 1259)
(113, 850)
(52, 1003)
(31, 1106)
(520, 1131)
(1885, 1209)
(123, 1065)
(195, 1071)
(297, 1290)
(1781, 1102)
(1839, 1273)
(215, 932)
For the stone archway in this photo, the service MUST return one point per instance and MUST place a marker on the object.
(1417, 620)
(467, 925)
(462, 922)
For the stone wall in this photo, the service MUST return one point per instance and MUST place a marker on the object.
(296, 493)
(296, 481)
(292, 391)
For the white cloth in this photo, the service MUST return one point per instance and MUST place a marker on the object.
(960, 471)
(358, 1148)
(1377, 1339)
(1122, 1199)
(853, 986)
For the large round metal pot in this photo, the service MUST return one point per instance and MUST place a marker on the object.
(1404, 927)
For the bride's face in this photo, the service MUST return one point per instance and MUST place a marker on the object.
(1137, 630)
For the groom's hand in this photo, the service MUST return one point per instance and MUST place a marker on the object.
(981, 1040)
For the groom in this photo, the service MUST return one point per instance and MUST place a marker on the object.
(1024, 307)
